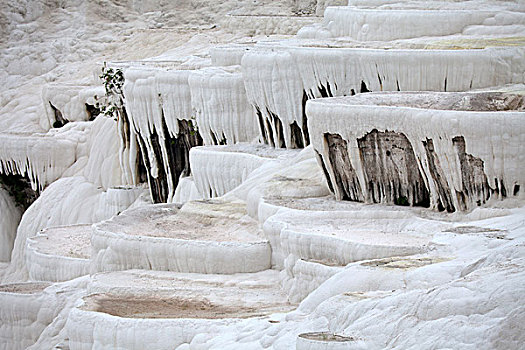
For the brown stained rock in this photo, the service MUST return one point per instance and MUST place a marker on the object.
(174, 307)
(391, 169)
(179, 149)
(271, 128)
(19, 188)
(445, 196)
(346, 180)
(24, 287)
(476, 188)
(306, 134)
(326, 337)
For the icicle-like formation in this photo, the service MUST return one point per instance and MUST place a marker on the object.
(63, 102)
(88, 149)
(223, 113)
(9, 219)
(158, 104)
(43, 158)
(274, 88)
(341, 71)
(229, 55)
(462, 154)
(100, 155)
(88, 191)
(279, 80)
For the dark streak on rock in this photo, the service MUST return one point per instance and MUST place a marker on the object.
(177, 149)
(346, 179)
(92, 112)
(391, 169)
(320, 160)
(60, 121)
(445, 196)
(261, 124)
(364, 88)
(19, 188)
(269, 132)
(296, 136)
(475, 185)
(279, 137)
(306, 135)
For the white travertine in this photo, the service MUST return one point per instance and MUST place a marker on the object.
(203, 237)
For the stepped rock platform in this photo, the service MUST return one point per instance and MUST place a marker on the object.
(21, 317)
(210, 236)
(267, 25)
(368, 147)
(341, 237)
(369, 24)
(164, 309)
(218, 99)
(231, 54)
(59, 253)
(28, 154)
(231, 165)
(310, 69)
(358, 185)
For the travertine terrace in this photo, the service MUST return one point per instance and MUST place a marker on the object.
(298, 174)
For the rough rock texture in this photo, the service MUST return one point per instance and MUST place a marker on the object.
(391, 171)
(367, 275)
(346, 182)
(203, 237)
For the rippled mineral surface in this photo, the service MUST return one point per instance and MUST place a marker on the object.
(238, 174)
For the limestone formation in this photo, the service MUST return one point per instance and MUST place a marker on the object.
(262, 174)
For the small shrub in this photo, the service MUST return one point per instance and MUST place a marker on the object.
(113, 101)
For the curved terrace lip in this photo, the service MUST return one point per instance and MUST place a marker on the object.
(49, 235)
(361, 101)
(433, 44)
(348, 48)
(430, 50)
(115, 227)
(190, 308)
(24, 288)
(326, 336)
(409, 10)
(184, 242)
(155, 65)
